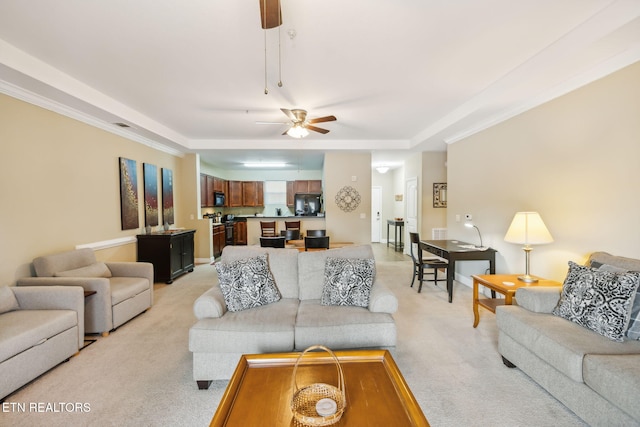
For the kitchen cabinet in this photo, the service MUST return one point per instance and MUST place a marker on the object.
(234, 198)
(218, 239)
(307, 186)
(171, 253)
(218, 184)
(290, 194)
(252, 193)
(240, 233)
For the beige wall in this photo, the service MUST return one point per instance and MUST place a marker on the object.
(433, 170)
(59, 183)
(576, 160)
(339, 168)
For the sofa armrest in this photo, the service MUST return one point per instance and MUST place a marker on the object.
(99, 315)
(132, 269)
(539, 299)
(210, 304)
(381, 299)
(53, 298)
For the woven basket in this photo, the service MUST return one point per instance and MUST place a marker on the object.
(303, 403)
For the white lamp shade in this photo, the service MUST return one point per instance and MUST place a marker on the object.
(528, 228)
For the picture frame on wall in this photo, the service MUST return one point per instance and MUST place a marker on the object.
(440, 195)
(128, 193)
(167, 196)
(150, 174)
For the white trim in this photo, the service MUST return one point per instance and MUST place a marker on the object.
(204, 260)
(105, 244)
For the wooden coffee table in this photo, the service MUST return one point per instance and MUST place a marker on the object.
(260, 391)
(505, 284)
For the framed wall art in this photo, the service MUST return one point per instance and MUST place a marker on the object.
(150, 173)
(128, 194)
(440, 195)
(167, 196)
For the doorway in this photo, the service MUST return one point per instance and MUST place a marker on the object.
(411, 217)
(376, 214)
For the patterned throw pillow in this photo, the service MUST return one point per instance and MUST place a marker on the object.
(598, 300)
(247, 283)
(633, 331)
(348, 281)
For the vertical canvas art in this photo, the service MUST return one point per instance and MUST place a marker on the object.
(150, 173)
(128, 194)
(167, 196)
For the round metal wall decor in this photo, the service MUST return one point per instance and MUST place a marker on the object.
(348, 198)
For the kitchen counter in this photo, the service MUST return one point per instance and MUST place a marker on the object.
(306, 223)
(280, 218)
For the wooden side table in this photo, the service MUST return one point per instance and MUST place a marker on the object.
(505, 284)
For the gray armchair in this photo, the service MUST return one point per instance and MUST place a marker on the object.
(122, 289)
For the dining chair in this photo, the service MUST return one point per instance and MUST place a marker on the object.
(422, 266)
(316, 242)
(272, 242)
(268, 229)
(292, 225)
(290, 234)
(316, 233)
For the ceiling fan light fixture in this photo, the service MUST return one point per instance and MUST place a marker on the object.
(297, 131)
(264, 164)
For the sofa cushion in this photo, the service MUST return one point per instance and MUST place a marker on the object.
(311, 267)
(559, 342)
(616, 378)
(283, 264)
(348, 281)
(124, 288)
(98, 269)
(598, 300)
(340, 327)
(23, 329)
(247, 283)
(265, 329)
(47, 266)
(8, 301)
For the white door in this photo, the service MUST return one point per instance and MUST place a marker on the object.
(376, 214)
(411, 206)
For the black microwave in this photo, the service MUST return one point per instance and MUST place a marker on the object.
(218, 199)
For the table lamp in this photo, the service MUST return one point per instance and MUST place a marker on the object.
(527, 228)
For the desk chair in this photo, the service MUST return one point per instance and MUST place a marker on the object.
(272, 242)
(268, 229)
(424, 265)
(316, 242)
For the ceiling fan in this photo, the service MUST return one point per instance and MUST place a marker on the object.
(300, 126)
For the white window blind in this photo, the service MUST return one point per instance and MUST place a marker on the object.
(275, 192)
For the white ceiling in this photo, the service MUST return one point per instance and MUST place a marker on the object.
(401, 76)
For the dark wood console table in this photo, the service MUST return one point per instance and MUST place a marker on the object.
(455, 250)
(171, 253)
(397, 225)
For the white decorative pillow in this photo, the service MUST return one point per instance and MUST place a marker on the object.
(598, 300)
(348, 281)
(99, 269)
(247, 283)
(8, 301)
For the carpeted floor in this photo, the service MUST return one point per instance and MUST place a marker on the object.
(140, 375)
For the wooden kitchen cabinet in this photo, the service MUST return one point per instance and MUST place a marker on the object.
(290, 194)
(315, 186)
(234, 198)
(171, 253)
(218, 239)
(252, 193)
(207, 187)
(307, 186)
(240, 233)
(218, 184)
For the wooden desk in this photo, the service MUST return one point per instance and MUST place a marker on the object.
(505, 284)
(455, 250)
(260, 391)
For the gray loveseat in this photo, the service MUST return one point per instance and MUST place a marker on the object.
(40, 327)
(595, 377)
(122, 289)
(297, 321)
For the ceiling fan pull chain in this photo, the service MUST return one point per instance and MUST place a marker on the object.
(264, 19)
(279, 50)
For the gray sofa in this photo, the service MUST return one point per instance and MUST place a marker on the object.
(595, 377)
(40, 327)
(297, 321)
(122, 289)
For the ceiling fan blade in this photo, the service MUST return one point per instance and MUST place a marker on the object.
(317, 129)
(270, 14)
(289, 114)
(323, 119)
